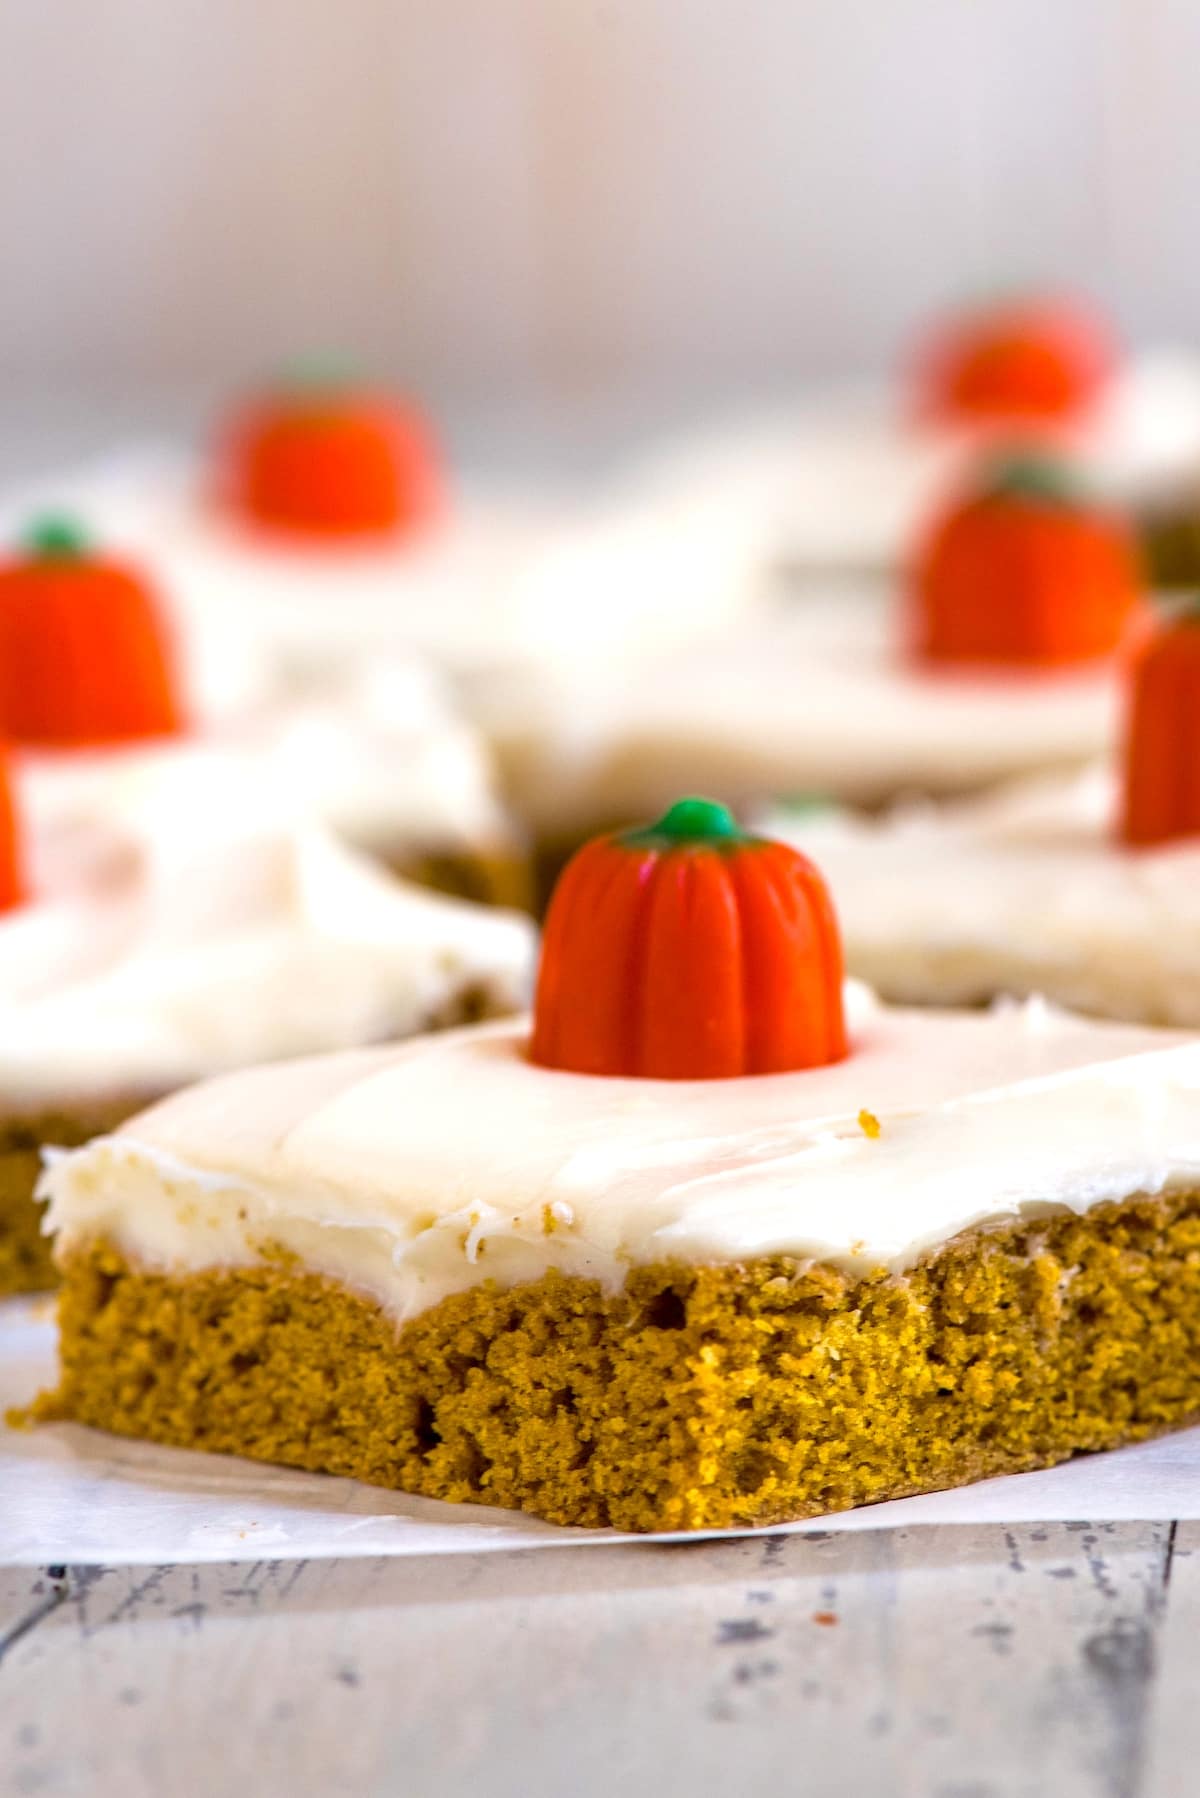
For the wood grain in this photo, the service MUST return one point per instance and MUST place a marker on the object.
(1045, 1659)
(1173, 1757)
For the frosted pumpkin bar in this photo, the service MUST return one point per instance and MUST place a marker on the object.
(167, 913)
(995, 660)
(847, 474)
(99, 701)
(707, 1245)
(168, 952)
(1083, 888)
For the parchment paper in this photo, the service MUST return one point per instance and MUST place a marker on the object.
(75, 1496)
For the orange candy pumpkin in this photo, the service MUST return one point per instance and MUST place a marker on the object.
(1024, 571)
(327, 459)
(1161, 800)
(12, 884)
(1023, 360)
(85, 657)
(689, 951)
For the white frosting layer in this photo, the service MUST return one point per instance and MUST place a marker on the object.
(840, 480)
(195, 932)
(415, 1172)
(387, 763)
(1026, 891)
(822, 700)
(382, 758)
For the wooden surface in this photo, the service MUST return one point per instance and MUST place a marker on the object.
(990, 1663)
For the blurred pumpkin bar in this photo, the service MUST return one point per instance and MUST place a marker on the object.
(325, 531)
(710, 1243)
(186, 946)
(995, 659)
(96, 695)
(1082, 888)
(387, 760)
(846, 476)
(191, 922)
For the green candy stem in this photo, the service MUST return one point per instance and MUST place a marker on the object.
(1031, 475)
(56, 538)
(689, 821)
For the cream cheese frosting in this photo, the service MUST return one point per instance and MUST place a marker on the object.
(821, 699)
(410, 1173)
(383, 758)
(839, 480)
(198, 930)
(386, 760)
(1027, 890)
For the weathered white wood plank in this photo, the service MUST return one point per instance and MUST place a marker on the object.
(1026, 1671)
(927, 1664)
(27, 1597)
(1173, 1763)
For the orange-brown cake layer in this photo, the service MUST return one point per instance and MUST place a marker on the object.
(695, 1397)
(26, 1261)
(501, 877)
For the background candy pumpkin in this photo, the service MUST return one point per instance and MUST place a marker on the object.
(1023, 569)
(1161, 799)
(326, 459)
(1017, 360)
(85, 651)
(12, 878)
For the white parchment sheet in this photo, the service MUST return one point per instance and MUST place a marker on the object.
(75, 1496)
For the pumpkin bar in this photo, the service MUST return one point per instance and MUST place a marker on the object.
(712, 1241)
(382, 760)
(386, 759)
(996, 662)
(380, 754)
(187, 948)
(325, 529)
(847, 478)
(190, 923)
(1082, 888)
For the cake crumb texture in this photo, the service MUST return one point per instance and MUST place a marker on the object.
(26, 1261)
(696, 1397)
